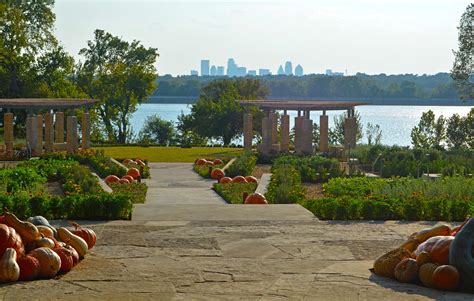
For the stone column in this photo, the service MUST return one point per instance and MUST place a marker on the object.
(350, 132)
(71, 136)
(307, 133)
(274, 127)
(299, 137)
(31, 133)
(86, 130)
(285, 133)
(266, 135)
(48, 132)
(8, 133)
(39, 135)
(59, 127)
(248, 131)
(323, 133)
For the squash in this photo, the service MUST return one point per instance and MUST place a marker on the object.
(45, 231)
(426, 272)
(251, 179)
(239, 179)
(44, 242)
(134, 173)
(72, 251)
(406, 270)
(128, 161)
(9, 269)
(9, 238)
(438, 247)
(385, 264)
(217, 162)
(111, 179)
(50, 262)
(29, 268)
(85, 233)
(460, 255)
(446, 278)
(422, 258)
(209, 163)
(124, 181)
(256, 198)
(411, 244)
(140, 162)
(425, 234)
(66, 259)
(129, 178)
(41, 221)
(27, 230)
(225, 180)
(217, 173)
(78, 243)
(201, 162)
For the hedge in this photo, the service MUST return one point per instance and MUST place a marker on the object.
(233, 192)
(242, 166)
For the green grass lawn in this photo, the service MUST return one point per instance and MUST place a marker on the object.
(170, 154)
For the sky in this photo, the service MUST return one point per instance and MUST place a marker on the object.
(369, 36)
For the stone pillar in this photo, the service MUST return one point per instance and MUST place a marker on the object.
(39, 135)
(59, 127)
(266, 135)
(8, 133)
(86, 130)
(274, 127)
(48, 132)
(350, 132)
(323, 133)
(307, 134)
(285, 133)
(248, 131)
(299, 137)
(31, 133)
(71, 136)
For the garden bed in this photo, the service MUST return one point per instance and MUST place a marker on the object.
(233, 193)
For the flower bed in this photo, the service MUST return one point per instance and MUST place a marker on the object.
(242, 166)
(135, 191)
(233, 192)
(285, 185)
(314, 169)
(204, 169)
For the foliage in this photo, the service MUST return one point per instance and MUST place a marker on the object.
(233, 192)
(460, 131)
(121, 75)
(136, 192)
(336, 133)
(462, 71)
(157, 131)
(311, 169)
(242, 166)
(285, 186)
(430, 132)
(374, 134)
(205, 171)
(144, 170)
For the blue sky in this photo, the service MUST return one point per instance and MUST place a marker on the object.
(370, 36)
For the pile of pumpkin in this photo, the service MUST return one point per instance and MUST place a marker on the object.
(132, 176)
(205, 162)
(438, 257)
(34, 249)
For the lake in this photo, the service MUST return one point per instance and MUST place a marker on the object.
(396, 122)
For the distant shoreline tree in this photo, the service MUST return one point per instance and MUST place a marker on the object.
(336, 133)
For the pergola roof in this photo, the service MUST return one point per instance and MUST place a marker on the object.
(306, 105)
(45, 103)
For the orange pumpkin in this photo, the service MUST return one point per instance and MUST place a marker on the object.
(239, 179)
(124, 181)
(406, 270)
(134, 173)
(9, 238)
(29, 268)
(217, 162)
(217, 173)
(129, 178)
(426, 272)
(256, 198)
(438, 247)
(140, 162)
(127, 161)
(66, 259)
(251, 179)
(50, 263)
(85, 233)
(72, 251)
(111, 179)
(201, 162)
(225, 180)
(446, 278)
(422, 258)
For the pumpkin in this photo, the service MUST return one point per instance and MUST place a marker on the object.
(45, 242)
(50, 262)
(2, 219)
(45, 231)
(446, 278)
(255, 198)
(77, 242)
(111, 179)
(29, 268)
(225, 180)
(406, 270)
(28, 232)
(41, 221)
(201, 162)
(460, 254)
(209, 163)
(422, 258)
(129, 178)
(140, 162)
(9, 269)
(426, 272)
(251, 179)
(72, 251)
(217, 162)
(239, 179)
(134, 173)
(385, 264)
(9, 238)
(438, 247)
(425, 234)
(85, 233)
(217, 173)
(124, 181)
(66, 259)
(128, 161)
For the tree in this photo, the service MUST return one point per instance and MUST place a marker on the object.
(374, 134)
(157, 130)
(121, 75)
(456, 132)
(336, 133)
(462, 71)
(430, 132)
(217, 113)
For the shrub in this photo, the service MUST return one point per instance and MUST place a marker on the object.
(285, 186)
(242, 166)
(233, 192)
(314, 169)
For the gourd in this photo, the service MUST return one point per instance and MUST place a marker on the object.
(66, 259)
(406, 270)
(72, 251)
(9, 238)
(225, 180)
(251, 179)
(438, 247)
(123, 181)
(134, 173)
(27, 230)
(129, 178)
(217, 162)
(426, 272)
(425, 234)
(46, 231)
(239, 179)
(44, 242)
(411, 244)
(41, 221)
(385, 264)
(50, 263)
(111, 179)
(422, 258)
(460, 255)
(29, 268)
(85, 233)
(217, 173)
(201, 162)
(446, 278)
(256, 198)
(74, 241)
(9, 269)
(140, 162)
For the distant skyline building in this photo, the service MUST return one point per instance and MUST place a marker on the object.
(204, 67)
(252, 72)
(194, 72)
(241, 71)
(288, 68)
(281, 71)
(299, 70)
(213, 71)
(330, 73)
(263, 72)
(231, 67)
(220, 71)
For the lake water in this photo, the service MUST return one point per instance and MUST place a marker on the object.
(396, 122)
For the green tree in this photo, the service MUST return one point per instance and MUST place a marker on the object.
(456, 132)
(157, 130)
(217, 113)
(336, 133)
(374, 134)
(121, 75)
(462, 71)
(430, 132)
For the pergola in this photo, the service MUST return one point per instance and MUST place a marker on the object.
(50, 125)
(303, 124)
